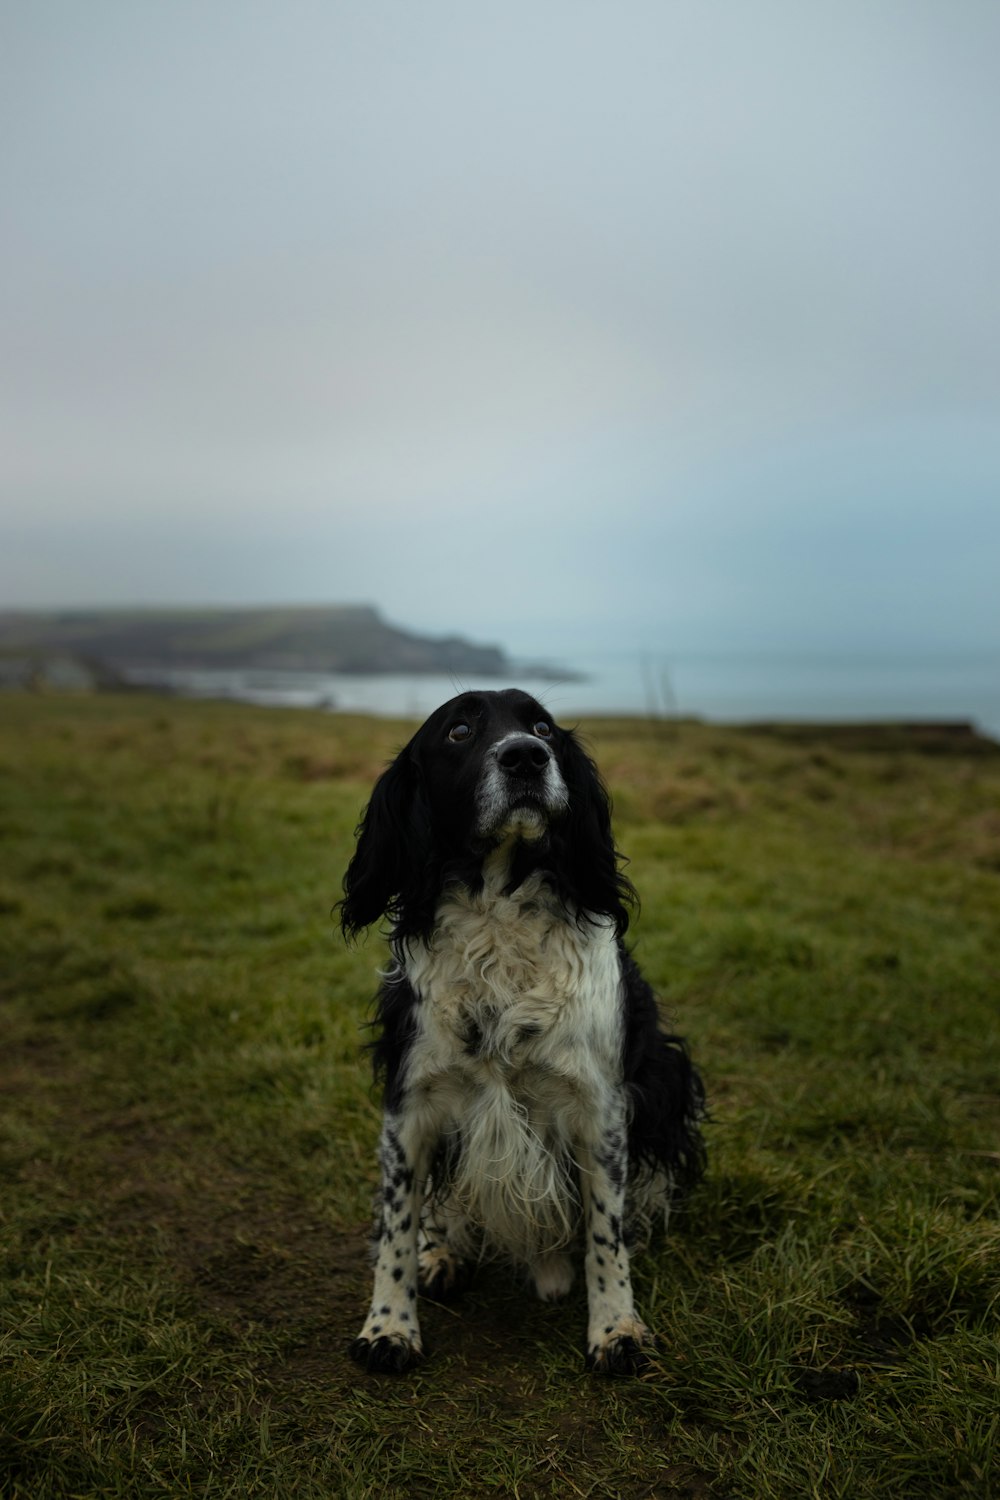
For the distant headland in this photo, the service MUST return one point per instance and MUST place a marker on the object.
(352, 638)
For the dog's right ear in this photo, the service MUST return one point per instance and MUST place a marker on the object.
(390, 864)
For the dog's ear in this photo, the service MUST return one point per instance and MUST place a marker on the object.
(394, 849)
(590, 863)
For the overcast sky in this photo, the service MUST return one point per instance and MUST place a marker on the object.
(677, 323)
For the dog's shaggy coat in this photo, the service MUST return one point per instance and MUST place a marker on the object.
(531, 1094)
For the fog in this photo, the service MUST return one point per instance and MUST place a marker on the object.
(662, 324)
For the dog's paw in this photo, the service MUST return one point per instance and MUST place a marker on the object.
(386, 1354)
(442, 1274)
(622, 1349)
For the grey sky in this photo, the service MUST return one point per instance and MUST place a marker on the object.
(680, 320)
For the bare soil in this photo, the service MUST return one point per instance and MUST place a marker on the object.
(256, 1258)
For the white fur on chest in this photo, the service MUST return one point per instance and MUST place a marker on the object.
(510, 982)
(517, 999)
(516, 1055)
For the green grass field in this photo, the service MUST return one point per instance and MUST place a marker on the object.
(188, 1127)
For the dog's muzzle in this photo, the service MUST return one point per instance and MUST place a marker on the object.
(521, 786)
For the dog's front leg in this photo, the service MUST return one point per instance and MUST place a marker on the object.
(390, 1338)
(615, 1336)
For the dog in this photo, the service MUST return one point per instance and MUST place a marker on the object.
(532, 1097)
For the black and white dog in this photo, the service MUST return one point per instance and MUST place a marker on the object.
(531, 1095)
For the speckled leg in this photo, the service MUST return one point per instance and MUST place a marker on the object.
(441, 1269)
(616, 1338)
(390, 1338)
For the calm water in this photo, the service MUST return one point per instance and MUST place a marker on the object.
(723, 688)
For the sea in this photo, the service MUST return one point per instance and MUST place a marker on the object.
(733, 687)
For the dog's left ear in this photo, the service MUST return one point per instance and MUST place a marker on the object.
(590, 861)
(394, 849)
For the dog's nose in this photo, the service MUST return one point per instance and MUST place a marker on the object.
(524, 756)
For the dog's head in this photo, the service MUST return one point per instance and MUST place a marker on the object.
(486, 768)
(490, 764)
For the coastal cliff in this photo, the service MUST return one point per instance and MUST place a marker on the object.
(324, 638)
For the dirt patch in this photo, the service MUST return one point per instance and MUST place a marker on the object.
(248, 1254)
(282, 1292)
(250, 1257)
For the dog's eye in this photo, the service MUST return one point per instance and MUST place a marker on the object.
(459, 731)
(542, 729)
